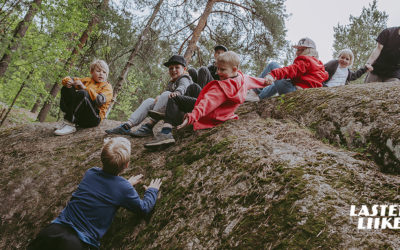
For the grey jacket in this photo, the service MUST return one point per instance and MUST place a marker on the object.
(180, 84)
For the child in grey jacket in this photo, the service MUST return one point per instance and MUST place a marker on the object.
(178, 84)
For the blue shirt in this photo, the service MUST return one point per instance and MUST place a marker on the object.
(93, 205)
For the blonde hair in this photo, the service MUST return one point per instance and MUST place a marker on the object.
(230, 58)
(310, 52)
(99, 63)
(347, 52)
(115, 154)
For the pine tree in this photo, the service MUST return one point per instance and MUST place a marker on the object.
(360, 34)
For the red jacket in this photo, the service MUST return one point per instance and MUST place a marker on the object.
(218, 100)
(305, 72)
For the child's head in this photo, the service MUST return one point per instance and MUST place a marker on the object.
(227, 65)
(99, 70)
(306, 47)
(115, 155)
(345, 58)
(218, 50)
(176, 66)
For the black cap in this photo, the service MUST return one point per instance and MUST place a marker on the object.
(176, 59)
(222, 47)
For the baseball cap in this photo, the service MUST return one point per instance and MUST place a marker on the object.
(305, 42)
(176, 59)
(222, 47)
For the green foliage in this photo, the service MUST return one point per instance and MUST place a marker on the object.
(360, 34)
(255, 29)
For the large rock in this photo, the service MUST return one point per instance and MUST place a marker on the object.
(252, 183)
(362, 117)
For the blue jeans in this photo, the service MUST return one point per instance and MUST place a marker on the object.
(279, 86)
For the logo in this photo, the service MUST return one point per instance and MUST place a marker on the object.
(377, 216)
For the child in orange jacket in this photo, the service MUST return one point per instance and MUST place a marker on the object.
(85, 100)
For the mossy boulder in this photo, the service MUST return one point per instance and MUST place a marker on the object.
(361, 117)
(252, 183)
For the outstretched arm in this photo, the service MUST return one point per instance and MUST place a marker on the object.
(374, 55)
(134, 203)
(212, 99)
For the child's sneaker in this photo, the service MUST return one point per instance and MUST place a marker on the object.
(66, 129)
(120, 130)
(143, 131)
(161, 139)
(156, 115)
(252, 96)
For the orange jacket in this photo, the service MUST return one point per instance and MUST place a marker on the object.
(100, 92)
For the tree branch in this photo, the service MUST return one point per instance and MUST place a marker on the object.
(185, 27)
(239, 5)
(181, 47)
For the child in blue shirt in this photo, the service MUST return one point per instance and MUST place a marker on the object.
(89, 213)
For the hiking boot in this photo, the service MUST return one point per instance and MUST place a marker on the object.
(161, 139)
(143, 131)
(156, 115)
(66, 129)
(120, 130)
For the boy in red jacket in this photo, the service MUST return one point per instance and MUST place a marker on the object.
(218, 100)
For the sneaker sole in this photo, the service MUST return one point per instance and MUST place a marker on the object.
(156, 115)
(159, 143)
(61, 134)
(140, 136)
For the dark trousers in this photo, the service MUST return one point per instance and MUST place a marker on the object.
(58, 237)
(201, 77)
(79, 108)
(179, 105)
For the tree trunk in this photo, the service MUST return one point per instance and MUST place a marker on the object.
(197, 31)
(129, 63)
(16, 97)
(56, 87)
(19, 33)
(36, 105)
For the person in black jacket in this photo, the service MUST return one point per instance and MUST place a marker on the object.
(384, 61)
(339, 72)
(206, 74)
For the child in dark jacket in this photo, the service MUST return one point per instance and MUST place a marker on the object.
(305, 72)
(89, 213)
(206, 74)
(178, 84)
(339, 72)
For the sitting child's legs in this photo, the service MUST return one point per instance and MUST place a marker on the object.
(193, 74)
(141, 112)
(270, 66)
(204, 76)
(268, 91)
(162, 101)
(68, 102)
(177, 107)
(86, 113)
(193, 90)
(284, 86)
(135, 119)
